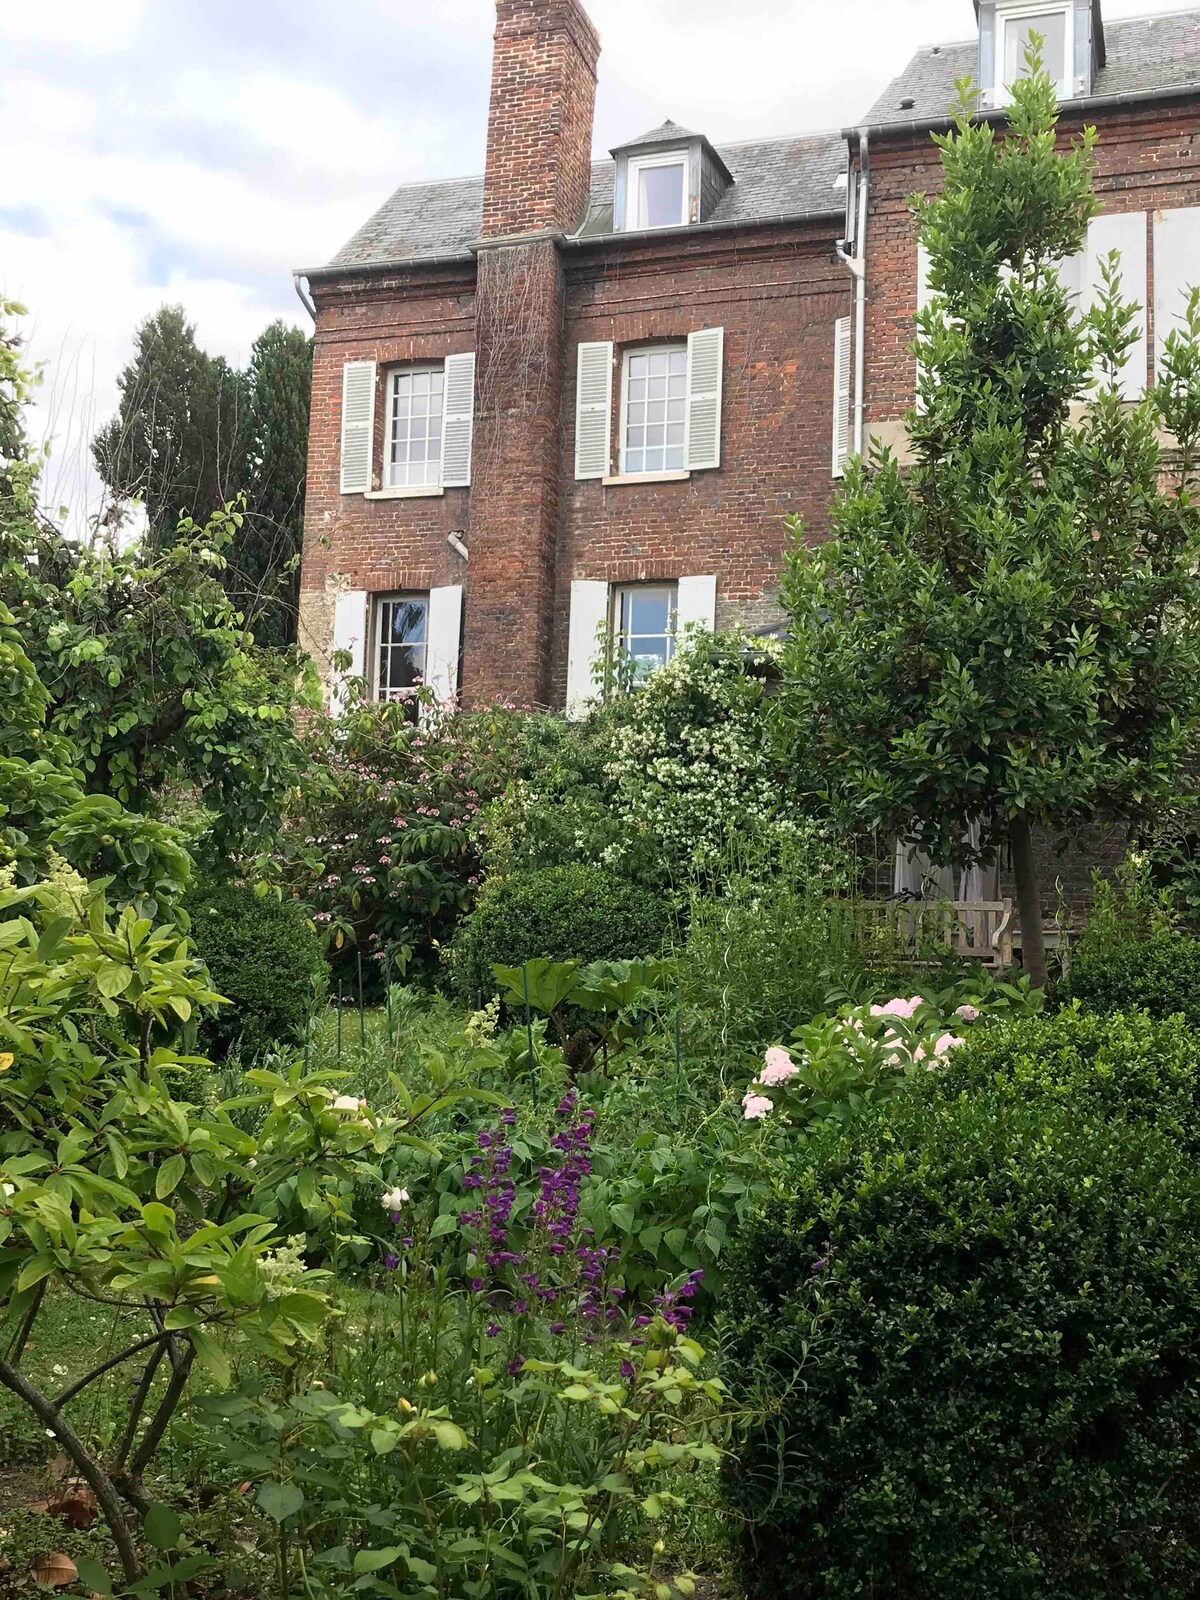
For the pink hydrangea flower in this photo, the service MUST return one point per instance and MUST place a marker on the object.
(898, 1008)
(968, 1013)
(779, 1066)
(755, 1106)
(947, 1042)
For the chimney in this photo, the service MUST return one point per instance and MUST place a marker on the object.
(539, 142)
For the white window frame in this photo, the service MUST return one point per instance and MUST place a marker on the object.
(639, 164)
(378, 601)
(394, 373)
(648, 350)
(1023, 10)
(669, 587)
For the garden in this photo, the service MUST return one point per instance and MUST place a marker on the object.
(471, 1155)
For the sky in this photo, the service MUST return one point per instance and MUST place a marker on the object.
(169, 151)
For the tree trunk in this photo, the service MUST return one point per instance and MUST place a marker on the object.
(1029, 900)
(97, 1479)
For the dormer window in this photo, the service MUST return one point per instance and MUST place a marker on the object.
(1016, 25)
(657, 190)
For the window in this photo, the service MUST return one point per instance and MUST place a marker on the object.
(657, 195)
(654, 410)
(644, 626)
(401, 627)
(1053, 25)
(413, 450)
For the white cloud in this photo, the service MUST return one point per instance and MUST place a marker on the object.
(155, 151)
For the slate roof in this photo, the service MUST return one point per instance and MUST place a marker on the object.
(1144, 53)
(772, 178)
(666, 133)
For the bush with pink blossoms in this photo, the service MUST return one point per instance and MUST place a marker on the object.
(383, 844)
(841, 1063)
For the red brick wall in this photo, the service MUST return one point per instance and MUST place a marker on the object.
(1147, 158)
(514, 478)
(539, 146)
(776, 292)
(351, 542)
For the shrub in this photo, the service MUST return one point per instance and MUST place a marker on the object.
(263, 956)
(971, 1337)
(1128, 1067)
(381, 845)
(1134, 956)
(565, 913)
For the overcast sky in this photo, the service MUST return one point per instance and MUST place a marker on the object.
(196, 151)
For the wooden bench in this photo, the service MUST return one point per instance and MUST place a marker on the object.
(977, 930)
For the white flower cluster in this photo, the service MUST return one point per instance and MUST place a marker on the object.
(283, 1268)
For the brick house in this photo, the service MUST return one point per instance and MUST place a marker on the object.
(574, 396)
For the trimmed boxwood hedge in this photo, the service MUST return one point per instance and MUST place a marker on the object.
(561, 913)
(1154, 968)
(969, 1336)
(264, 956)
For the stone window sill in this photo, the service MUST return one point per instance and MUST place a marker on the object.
(647, 477)
(422, 492)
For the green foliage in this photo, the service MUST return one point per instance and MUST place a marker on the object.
(971, 1331)
(263, 579)
(153, 680)
(380, 843)
(45, 814)
(1005, 632)
(1133, 955)
(264, 957)
(661, 783)
(766, 949)
(570, 913)
(192, 434)
(1124, 1067)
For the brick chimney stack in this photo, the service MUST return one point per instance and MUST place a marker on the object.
(536, 186)
(539, 143)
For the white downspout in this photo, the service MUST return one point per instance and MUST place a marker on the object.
(858, 266)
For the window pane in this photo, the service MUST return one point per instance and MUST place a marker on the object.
(1052, 27)
(654, 424)
(407, 621)
(660, 196)
(649, 610)
(414, 434)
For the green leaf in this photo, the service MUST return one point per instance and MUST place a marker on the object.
(446, 1223)
(376, 1560)
(92, 1575)
(162, 1527)
(449, 1435)
(168, 1175)
(279, 1500)
(113, 978)
(211, 1357)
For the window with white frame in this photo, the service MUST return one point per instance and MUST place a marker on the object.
(413, 446)
(1015, 28)
(657, 191)
(400, 634)
(643, 621)
(654, 409)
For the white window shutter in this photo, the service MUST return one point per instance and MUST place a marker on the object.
(1176, 270)
(458, 420)
(586, 639)
(1125, 233)
(696, 603)
(350, 635)
(358, 425)
(443, 634)
(706, 360)
(841, 394)
(593, 409)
